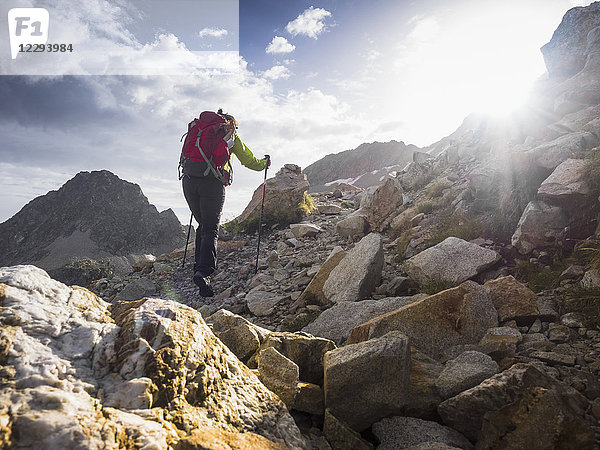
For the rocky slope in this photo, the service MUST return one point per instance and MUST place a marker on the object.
(361, 167)
(452, 306)
(94, 215)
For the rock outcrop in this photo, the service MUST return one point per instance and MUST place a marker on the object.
(452, 261)
(147, 372)
(94, 215)
(460, 315)
(283, 196)
(358, 273)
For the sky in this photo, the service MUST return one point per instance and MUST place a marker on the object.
(303, 78)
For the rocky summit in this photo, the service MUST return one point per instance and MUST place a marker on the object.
(95, 215)
(454, 305)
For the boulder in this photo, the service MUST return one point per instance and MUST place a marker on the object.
(329, 209)
(70, 352)
(424, 397)
(313, 293)
(302, 230)
(241, 336)
(500, 342)
(382, 206)
(452, 261)
(214, 439)
(279, 374)
(284, 193)
(565, 186)
(402, 432)
(342, 437)
(309, 399)
(541, 225)
(368, 381)
(412, 175)
(462, 373)
(551, 154)
(513, 300)
(261, 303)
(358, 273)
(136, 289)
(538, 418)
(354, 225)
(460, 315)
(468, 411)
(567, 52)
(591, 279)
(337, 322)
(306, 351)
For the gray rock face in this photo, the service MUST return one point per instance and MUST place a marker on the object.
(565, 184)
(460, 315)
(94, 215)
(551, 154)
(567, 52)
(306, 351)
(337, 322)
(302, 230)
(358, 273)
(355, 224)
(329, 209)
(284, 193)
(261, 303)
(403, 432)
(382, 206)
(541, 225)
(591, 279)
(451, 261)
(241, 336)
(464, 372)
(513, 300)
(279, 374)
(468, 411)
(142, 287)
(70, 352)
(368, 381)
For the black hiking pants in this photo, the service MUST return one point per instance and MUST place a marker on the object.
(205, 197)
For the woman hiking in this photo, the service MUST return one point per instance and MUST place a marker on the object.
(206, 170)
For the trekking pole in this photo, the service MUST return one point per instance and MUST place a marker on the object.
(262, 207)
(186, 242)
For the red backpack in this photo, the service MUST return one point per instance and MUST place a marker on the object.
(204, 144)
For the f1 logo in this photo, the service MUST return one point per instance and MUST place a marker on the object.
(27, 26)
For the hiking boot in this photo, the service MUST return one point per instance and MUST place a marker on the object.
(204, 284)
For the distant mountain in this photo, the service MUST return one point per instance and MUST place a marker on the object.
(361, 166)
(93, 215)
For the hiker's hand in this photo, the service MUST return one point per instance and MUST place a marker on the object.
(268, 159)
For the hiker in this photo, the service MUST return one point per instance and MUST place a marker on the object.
(206, 170)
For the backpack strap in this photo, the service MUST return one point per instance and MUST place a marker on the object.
(209, 163)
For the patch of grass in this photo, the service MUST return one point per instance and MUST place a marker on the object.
(402, 243)
(437, 188)
(588, 253)
(585, 302)
(538, 278)
(459, 226)
(426, 207)
(307, 206)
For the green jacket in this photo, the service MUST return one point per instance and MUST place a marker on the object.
(243, 153)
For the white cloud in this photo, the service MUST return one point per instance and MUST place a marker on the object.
(218, 33)
(425, 29)
(277, 73)
(280, 44)
(310, 23)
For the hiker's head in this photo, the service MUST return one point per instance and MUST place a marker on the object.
(228, 117)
